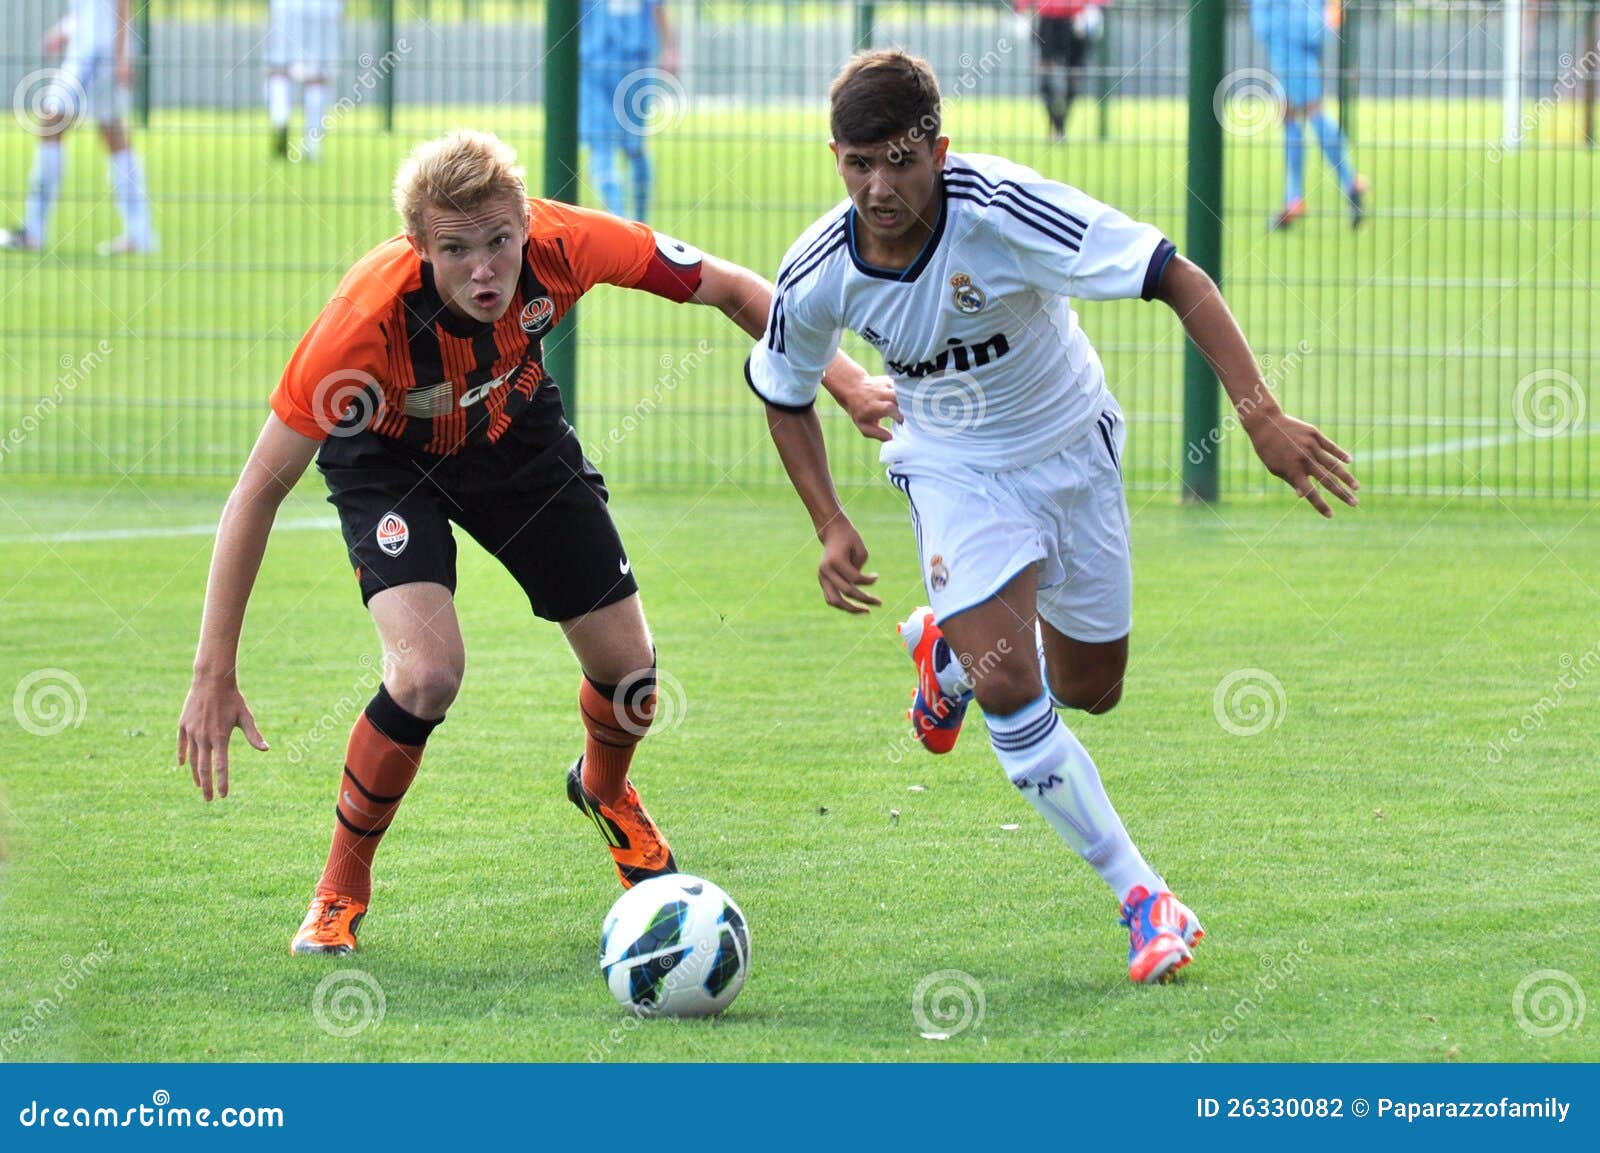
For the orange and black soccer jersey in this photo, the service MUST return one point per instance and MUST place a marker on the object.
(387, 357)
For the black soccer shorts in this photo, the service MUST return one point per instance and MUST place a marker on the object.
(530, 499)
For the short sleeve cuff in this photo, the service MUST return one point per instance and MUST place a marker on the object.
(1164, 252)
(781, 407)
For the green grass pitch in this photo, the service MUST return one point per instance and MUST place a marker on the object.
(1390, 869)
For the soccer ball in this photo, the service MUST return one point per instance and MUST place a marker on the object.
(675, 946)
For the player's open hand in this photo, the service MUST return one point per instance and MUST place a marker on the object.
(843, 554)
(1299, 455)
(211, 712)
(868, 403)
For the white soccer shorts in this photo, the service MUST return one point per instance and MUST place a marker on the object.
(85, 87)
(303, 39)
(977, 530)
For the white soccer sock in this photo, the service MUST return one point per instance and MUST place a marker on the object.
(127, 185)
(44, 183)
(316, 98)
(1055, 772)
(280, 99)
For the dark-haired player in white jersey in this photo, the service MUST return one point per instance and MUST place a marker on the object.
(959, 269)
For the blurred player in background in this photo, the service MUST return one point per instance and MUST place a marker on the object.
(959, 269)
(303, 47)
(421, 392)
(95, 41)
(629, 56)
(1065, 32)
(1293, 32)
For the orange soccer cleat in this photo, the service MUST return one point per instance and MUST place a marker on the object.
(1292, 211)
(636, 844)
(935, 715)
(329, 927)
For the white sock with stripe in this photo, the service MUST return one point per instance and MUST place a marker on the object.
(44, 183)
(127, 187)
(1050, 767)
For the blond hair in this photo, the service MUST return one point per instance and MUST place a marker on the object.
(459, 171)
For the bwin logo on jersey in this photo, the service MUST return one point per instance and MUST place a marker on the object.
(969, 297)
(959, 356)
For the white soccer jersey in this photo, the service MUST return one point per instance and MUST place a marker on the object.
(94, 26)
(989, 364)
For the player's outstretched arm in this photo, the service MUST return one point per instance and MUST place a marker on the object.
(214, 706)
(804, 453)
(1294, 451)
(746, 299)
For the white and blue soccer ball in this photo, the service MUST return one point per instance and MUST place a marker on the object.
(675, 946)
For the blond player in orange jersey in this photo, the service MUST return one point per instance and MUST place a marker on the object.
(421, 392)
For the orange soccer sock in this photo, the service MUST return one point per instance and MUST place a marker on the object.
(615, 717)
(381, 761)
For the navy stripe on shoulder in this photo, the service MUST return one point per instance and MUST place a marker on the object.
(812, 261)
(960, 192)
(1010, 196)
(833, 232)
(1044, 205)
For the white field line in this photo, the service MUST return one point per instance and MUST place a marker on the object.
(1445, 447)
(156, 532)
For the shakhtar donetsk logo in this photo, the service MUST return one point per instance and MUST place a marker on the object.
(969, 297)
(537, 315)
(938, 573)
(393, 533)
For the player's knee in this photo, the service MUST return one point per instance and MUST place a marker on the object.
(1007, 689)
(1094, 695)
(619, 714)
(425, 689)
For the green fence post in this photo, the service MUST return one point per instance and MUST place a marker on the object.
(865, 16)
(1347, 67)
(1102, 53)
(561, 173)
(1591, 81)
(141, 21)
(387, 16)
(1208, 21)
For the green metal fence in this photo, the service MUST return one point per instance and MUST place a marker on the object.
(1450, 342)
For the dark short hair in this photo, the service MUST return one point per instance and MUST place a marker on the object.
(884, 95)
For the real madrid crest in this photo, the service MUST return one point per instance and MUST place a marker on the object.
(969, 297)
(938, 573)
